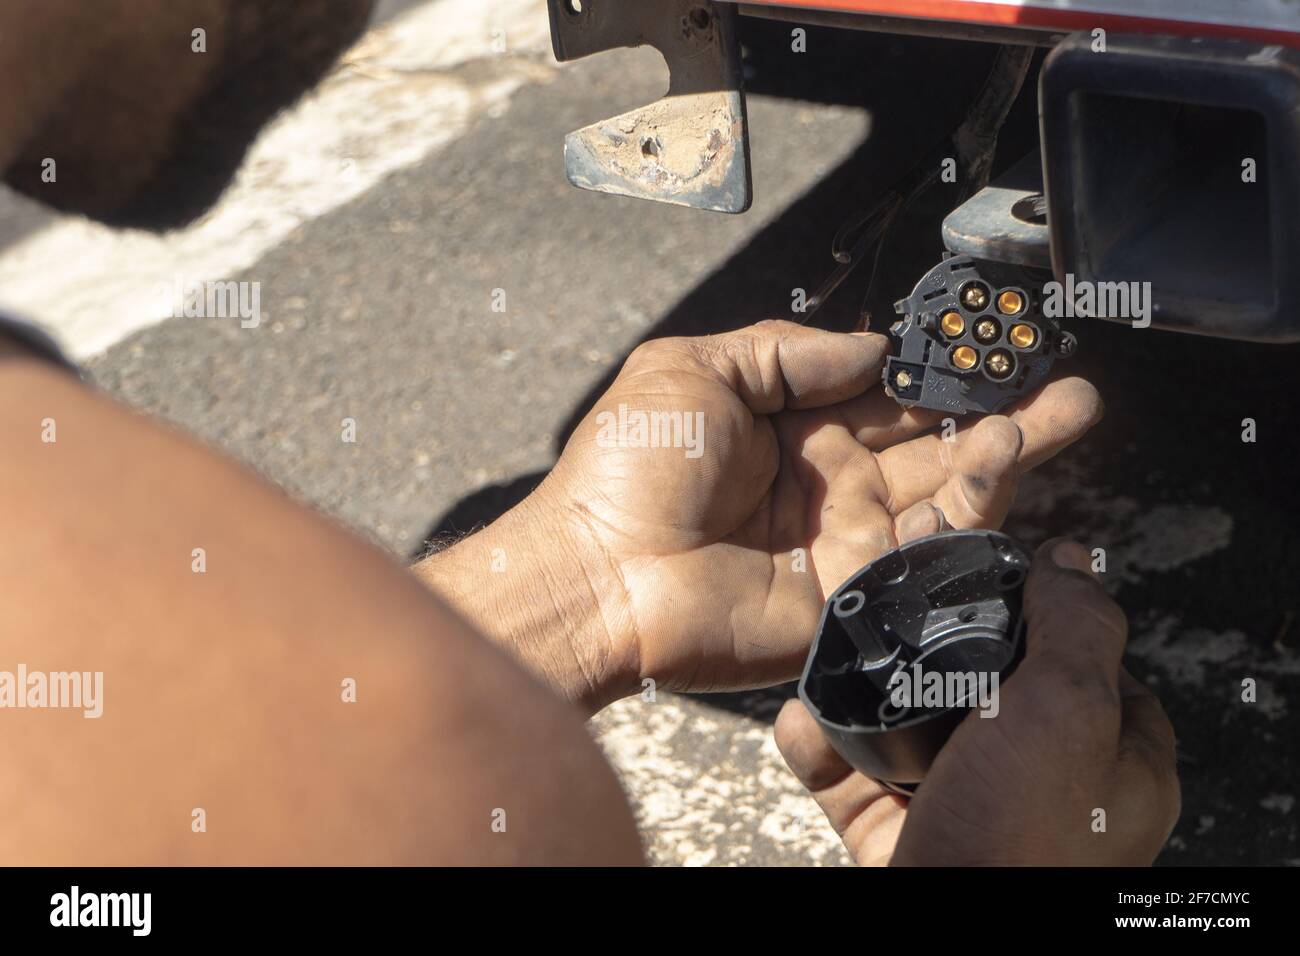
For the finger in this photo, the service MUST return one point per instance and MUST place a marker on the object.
(918, 521)
(983, 470)
(1051, 419)
(1071, 623)
(971, 478)
(877, 421)
(854, 527)
(851, 526)
(1072, 407)
(806, 750)
(1147, 763)
(778, 364)
(1147, 734)
(1059, 415)
(866, 815)
(873, 835)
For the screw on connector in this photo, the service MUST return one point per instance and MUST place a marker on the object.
(999, 363)
(975, 296)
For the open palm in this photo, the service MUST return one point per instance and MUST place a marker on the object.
(804, 471)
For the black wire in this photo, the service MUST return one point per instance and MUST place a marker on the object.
(981, 125)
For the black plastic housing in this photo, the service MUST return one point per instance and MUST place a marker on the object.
(921, 372)
(951, 601)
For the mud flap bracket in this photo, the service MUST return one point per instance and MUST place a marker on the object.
(690, 148)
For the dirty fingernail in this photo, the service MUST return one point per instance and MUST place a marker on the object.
(1072, 555)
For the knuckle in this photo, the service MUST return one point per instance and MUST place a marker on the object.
(777, 325)
(652, 349)
(1060, 692)
(1093, 701)
(744, 346)
(1074, 597)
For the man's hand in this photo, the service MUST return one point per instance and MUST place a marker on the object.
(705, 567)
(1077, 768)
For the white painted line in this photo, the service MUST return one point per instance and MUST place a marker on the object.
(387, 106)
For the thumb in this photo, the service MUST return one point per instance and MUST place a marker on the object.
(866, 815)
(1071, 622)
(778, 364)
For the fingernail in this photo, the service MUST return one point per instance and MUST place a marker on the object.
(1072, 555)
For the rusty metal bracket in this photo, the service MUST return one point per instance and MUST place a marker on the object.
(690, 148)
(1005, 221)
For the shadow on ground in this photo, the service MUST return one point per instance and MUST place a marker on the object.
(860, 69)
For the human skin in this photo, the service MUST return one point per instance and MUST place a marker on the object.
(223, 689)
(633, 563)
(1076, 736)
(224, 686)
(651, 565)
(83, 81)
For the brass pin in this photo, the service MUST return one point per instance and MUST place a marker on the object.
(999, 363)
(952, 324)
(975, 297)
(965, 357)
(903, 379)
(986, 330)
(1023, 336)
(1010, 302)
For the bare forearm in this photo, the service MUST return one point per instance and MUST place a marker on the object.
(226, 620)
(549, 600)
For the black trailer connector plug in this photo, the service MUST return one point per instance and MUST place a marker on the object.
(973, 338)
(911, 644)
